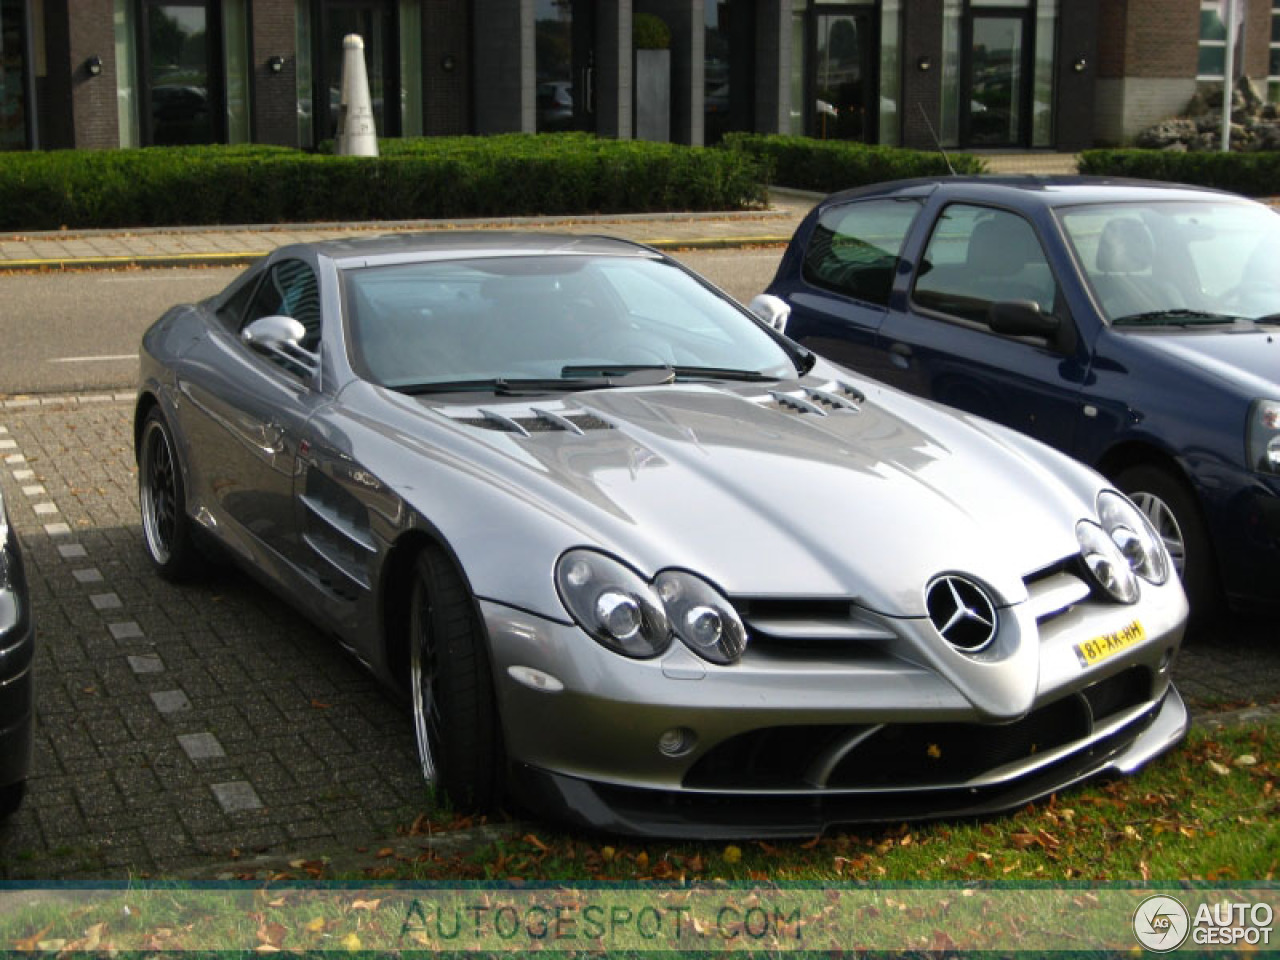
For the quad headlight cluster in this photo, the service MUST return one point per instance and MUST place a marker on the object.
(1121, 548)
(639, 619)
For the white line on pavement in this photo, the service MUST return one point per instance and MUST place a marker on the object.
(112, 356)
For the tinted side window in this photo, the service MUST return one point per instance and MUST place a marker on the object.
(977, 256)
(231, 311)
(289, 289)
(854, 249)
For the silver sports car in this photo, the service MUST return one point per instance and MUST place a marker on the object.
(638, 560)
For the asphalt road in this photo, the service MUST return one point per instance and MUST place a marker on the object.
(68, 332)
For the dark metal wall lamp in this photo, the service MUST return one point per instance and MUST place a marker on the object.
(275, 64)
(924, 64)
(1079, 64)
(93, 66)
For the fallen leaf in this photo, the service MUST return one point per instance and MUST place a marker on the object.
(607, 853)
(315, 925)
(732, 854)
(1218, 768)
(319, 705)
(351, 942)
(532, 838)
(369, 905)
(1144, 870)
(28, 944)
(1245, 760)
(384, 853)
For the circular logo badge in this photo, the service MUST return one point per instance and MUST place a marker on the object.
(1161, 923)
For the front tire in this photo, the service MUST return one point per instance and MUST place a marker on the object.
(1174, 513)
(167, 533)
(454, 715)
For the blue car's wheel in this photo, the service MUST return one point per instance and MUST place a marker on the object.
(1172, 510)
(455, 719)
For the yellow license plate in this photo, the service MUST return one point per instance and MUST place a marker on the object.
(1094, 651)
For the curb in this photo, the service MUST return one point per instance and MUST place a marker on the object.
(245, 257)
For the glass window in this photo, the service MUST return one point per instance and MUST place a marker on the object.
(1221, 259)
(13, 76)
(306, 111)
(855, 248)
(289, 290)
(1042, 82)
(890, 70)
(1273, 60)
(178, 68)
(978, 256)
(417, 324)
(553, 42)
(126, 74)
(410, 68)
(952, 16)
(235, 32)
(1211, 63)
(798, 48)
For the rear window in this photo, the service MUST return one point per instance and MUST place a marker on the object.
(855, 247)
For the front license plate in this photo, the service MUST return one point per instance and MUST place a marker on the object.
(1094, 651)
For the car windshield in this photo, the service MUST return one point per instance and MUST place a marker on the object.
(563, 321)
(1179, 263)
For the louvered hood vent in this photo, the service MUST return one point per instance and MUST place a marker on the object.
(534, 420)
(833, 397)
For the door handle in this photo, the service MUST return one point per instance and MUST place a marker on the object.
(900, 354)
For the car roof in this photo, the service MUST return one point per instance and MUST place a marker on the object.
(1036, 191)
(456, 244)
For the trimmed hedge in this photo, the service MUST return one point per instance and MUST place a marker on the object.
(1256, 174)
(830, 165)
(425, 178)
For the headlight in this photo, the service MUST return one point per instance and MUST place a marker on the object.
(613, 604)
(1110, 567)
(1133, 534)
(1264, 436)
(702, 619)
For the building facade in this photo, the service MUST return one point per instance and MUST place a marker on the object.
(979, 74)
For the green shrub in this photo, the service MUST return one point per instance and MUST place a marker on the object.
(649, 32)
(830, 165)
(1254, 174)
(425, 178)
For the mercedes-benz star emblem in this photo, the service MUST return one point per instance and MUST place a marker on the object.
(962, 612)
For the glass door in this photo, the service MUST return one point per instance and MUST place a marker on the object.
(181, 80)
(375, 22)
(564, 51)
(14, 107)
(994, 111)
(842, 105)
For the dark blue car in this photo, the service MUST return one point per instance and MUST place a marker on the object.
(1133, 325)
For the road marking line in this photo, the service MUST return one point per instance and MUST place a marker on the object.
(110, 356)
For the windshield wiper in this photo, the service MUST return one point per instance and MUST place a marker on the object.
(1177, 317)
(673, 372)
(505, 387)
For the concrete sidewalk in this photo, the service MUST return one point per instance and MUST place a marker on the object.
(232, 245)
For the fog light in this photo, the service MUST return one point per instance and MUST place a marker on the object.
(677, 741)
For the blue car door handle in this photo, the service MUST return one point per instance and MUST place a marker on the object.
(901, 355)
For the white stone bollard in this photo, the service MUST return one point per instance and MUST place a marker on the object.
(357, 134)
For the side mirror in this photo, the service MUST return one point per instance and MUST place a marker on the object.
(274, 331)
(772, 310)
(280, 338)
(1023, 318)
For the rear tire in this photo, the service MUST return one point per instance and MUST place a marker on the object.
(455, 717)
(167, 533)
(1173, 511)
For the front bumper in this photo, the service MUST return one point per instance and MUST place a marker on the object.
(790, 740)
(723, 816)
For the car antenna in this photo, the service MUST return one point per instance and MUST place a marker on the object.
(936, 142)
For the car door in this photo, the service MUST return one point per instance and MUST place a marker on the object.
(849, 269)
(248, 411)
(940, 344)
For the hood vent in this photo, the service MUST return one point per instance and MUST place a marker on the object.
(820, 401)
(540, 421)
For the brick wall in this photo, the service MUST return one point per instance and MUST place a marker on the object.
(91, 32)
(922, 36)
(1078, 32)
(1161, 38)
(446, 67)
(275, 95)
